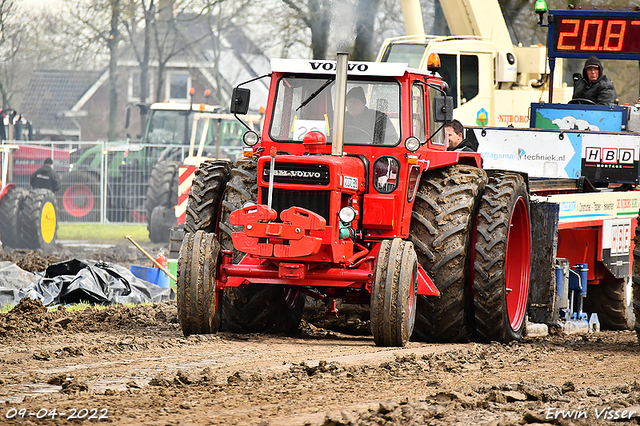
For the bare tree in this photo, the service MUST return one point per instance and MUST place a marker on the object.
(11, 42)
(316, 16)
(100, 27)
(138, 19)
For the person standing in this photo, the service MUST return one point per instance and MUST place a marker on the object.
(46, 177)
(593, 85)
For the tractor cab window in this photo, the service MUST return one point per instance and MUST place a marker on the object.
(167, 127)
(439, 136)
(306, 104)
(417, 105)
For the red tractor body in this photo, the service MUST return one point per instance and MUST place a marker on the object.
(325, 203)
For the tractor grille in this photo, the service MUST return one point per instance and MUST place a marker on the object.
(316, 201)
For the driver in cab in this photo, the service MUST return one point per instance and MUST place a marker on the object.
(592, 85)
(366, 125)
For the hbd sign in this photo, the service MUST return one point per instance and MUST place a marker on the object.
(610, 157)
(619, 156)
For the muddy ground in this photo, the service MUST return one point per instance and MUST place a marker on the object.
(131, 366)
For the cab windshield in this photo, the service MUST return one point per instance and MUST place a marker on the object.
(303, 104)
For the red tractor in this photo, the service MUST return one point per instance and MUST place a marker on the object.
(369, 209)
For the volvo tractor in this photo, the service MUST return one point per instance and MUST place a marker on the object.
(376, 213)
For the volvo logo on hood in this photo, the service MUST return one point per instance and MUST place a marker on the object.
(308, 174)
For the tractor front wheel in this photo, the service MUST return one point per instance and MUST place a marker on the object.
(393, 293)
(197, 297)
(502, 259)
(441, 231)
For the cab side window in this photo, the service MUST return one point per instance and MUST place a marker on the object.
(438, 138)
(417, 113)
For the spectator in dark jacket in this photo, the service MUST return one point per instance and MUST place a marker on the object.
(593, 85)
(45, 177)
(456, 141)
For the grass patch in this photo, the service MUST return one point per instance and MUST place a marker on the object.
(104, 234)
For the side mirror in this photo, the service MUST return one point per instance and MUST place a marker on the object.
(443, 108)
(240, 101)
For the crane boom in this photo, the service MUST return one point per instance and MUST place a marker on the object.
(482, 18)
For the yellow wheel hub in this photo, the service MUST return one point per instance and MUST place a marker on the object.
(48, 222)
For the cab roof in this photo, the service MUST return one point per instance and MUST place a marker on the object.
(322, 67)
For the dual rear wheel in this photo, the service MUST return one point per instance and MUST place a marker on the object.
(472, 236)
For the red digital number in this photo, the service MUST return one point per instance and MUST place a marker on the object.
(563, 34)
(585, 31)
(617, 37)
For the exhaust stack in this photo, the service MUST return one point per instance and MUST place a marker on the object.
(340, 106)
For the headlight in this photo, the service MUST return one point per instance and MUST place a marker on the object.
(412, 144)
(347, 214)
(250, 138)
(385, 174)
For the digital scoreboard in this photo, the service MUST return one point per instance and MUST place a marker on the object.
(582, 33)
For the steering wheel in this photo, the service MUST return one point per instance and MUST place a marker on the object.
(356, 133)
(582, 101)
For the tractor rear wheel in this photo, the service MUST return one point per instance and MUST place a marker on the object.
(393, 293)
(502, 259)
(205, 196)
(80, 197)
(10, 211)
(253, 308)
(162, 191)
(441, 231)
(609, 300)
(197, 298)
(38, 222)
(261, 308)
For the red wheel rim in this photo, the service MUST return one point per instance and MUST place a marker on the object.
(70, 200)
(517, 262)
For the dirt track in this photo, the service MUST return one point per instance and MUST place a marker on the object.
(133, 365)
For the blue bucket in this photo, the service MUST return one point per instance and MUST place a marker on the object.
(153, 275)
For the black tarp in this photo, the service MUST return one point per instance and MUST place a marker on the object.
(74, 281)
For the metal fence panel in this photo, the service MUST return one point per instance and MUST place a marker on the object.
(101, 182)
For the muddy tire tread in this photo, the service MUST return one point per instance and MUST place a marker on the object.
(205, 196)
(609, 301)
(197, 297)
(392, 316)
(494, 216)
(441, 228)
(10, 211)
